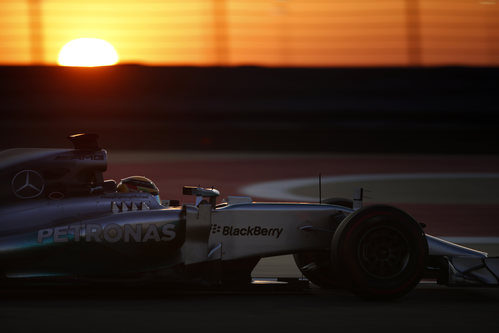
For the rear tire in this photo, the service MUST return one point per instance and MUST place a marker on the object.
(317, 266)
(380, 252)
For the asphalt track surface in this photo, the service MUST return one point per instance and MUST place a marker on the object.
(428, 307)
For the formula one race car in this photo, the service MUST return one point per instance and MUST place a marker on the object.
(60, 220)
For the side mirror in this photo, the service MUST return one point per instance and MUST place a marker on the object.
(201, 192)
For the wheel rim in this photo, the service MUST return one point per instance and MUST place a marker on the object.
(383, 252)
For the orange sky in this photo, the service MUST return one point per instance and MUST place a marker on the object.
(258, 32)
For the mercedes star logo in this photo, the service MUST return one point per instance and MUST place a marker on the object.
(27, 184)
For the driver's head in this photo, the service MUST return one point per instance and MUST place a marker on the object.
(139, 184)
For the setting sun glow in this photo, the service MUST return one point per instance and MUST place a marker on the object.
(302, 33)
(87, 52)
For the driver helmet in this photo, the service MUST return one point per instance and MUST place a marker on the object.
(138, 184)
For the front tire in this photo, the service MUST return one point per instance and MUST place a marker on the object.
(380, 252)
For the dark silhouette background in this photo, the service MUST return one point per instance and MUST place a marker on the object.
(382, 110)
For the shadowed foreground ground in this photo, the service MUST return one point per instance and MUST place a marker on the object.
(427, 308)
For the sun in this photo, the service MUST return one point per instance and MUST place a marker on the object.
(87, 52)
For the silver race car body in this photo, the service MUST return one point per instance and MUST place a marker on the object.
(60, 219)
